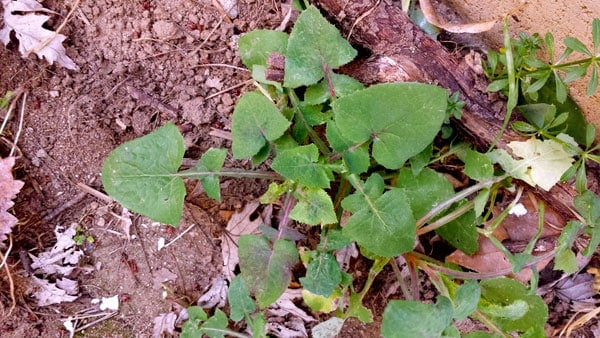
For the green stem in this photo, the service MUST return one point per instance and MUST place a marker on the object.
(229, 172)
(376, 268)
(226, 332)
(447, 219)
(311, 132)
(488, 323)
(403, 286)
(457, 197)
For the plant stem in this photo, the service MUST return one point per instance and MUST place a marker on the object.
(457, 197)
(488, 323)
(228, 172)
(311, 132)
(289, 203)
(447, 219)
(226, 332)
(403, 286)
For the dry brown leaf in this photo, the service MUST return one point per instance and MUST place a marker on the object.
(49, 293)
(431, 17)
(9, 188)
(239, 224)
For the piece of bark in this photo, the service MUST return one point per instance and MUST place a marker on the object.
(401, 51)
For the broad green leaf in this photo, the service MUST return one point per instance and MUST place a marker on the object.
(576, 45)
(328, 329)
(497, 85)
(259, 325)
(538, 114)
(543, 162)
(357, 310)
(588, 205)
(405, 318)
(385, 225)
(424, 191)
(256, 46)
(215, 326)
(323, 274)
(266, 269)
(421, 160)
(461, 233)
(191, 328)
(141, 175)
(504, 293)
(371, 189)
(335, 240)
(466, 299)
(565, 258)
(401, 119)
(356, 156)
(480, 201)
(478, 166)
(205, 170)
(300, 164)
(240, 303)
(255, 121)
(315, 48)
(342, 86)
(314, 207)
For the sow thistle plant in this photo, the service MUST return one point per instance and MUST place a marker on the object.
(340, 151)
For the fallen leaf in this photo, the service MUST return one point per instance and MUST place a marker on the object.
(164, 324)
(9, 188)
(62, 259)
(431, 16)
(48, 293)
(239, 224)
(285, 319)
(285, 306)
(163, 275)
(20, 16)
(216, 295)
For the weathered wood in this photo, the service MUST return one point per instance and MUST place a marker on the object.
(401, 51)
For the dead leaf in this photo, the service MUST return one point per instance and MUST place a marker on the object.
(431, 17)
(62, 259)
(216, 295)
(20, 16)
(164, 324)
(285, 319)
(9, 188)
(239, 224)
(285, 306)
(49, 293)
(163, 275)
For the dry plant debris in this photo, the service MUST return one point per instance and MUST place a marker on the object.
(32, 36)
(9, 188)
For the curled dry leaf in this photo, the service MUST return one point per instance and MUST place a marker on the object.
(20, 16)
(9, 188)
(48, 293)
(431, 16)
(241, 223)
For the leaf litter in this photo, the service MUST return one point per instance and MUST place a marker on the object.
(9, 188)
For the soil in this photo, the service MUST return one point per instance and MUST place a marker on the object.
(142, 63)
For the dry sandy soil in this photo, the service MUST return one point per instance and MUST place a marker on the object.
(142, 63)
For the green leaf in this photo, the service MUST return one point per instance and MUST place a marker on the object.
(596, 35)
(385, 225)
(300, 164)
(256, 46)
(466, 299)
(593, 84)
(214, 327)
(538, 114)
(315, 48)
(405, 318)
(481, 334)
(335, 240)
(575, 72)
(265, 269)
(141, 175)
(478, 166)
(255, 121)
(565, 258)
(240, 303)
(588, 206)
(590, 134)
(543, 162)
(561, 89)
(576, 45)
(259, 325)
(503, 293)
(357, 310)
(314, 207)
(357, 158)
(191, 328)
(424, 191)
(319, 303)
(549, 39)
(372, 189)
(537, 85)
(480, 201)
(461, 233)
(421, 160)
(342, 85)
(210, 162)
(323, 274)
(328, 329)
(497, 85)
(581, 179)
(389, 115)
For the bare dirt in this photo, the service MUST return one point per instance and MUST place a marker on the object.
(142, 63)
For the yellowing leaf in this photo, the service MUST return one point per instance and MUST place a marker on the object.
(542, 163)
